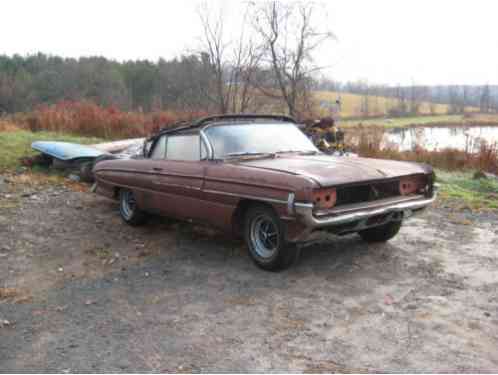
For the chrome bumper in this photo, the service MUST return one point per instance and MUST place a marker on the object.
(305, 212)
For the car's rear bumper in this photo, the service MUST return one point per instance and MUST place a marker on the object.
(361, 213)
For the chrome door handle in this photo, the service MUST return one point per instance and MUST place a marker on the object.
(157, 169)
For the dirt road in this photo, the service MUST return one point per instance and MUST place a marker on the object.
(80, 291)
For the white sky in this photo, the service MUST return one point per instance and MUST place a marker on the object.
(383, 41)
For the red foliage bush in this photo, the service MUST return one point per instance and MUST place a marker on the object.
(89, 119)
(8, 126)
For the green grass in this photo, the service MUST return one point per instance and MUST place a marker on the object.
(17, 144)
(462, 189)
(406, 121)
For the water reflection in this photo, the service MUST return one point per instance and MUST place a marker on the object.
(438, 138)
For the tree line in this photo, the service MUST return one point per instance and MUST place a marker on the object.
(268, 65)
(269, 60)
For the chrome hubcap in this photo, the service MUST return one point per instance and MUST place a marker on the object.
(264, 236)
(128, 204)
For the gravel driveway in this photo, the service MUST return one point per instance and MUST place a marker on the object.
(81, 291)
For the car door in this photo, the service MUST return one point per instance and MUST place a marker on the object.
(179, 177)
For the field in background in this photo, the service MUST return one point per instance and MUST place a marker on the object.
(353, 105)
(397, 122)
(469, 119)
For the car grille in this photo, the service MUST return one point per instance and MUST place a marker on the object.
(367, 193)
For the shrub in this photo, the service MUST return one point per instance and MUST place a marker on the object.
(7, 126)
(367, 142)
(89, 119)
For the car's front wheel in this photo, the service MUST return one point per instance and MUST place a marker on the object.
(381, 233)
(265, 238)
(128, 208)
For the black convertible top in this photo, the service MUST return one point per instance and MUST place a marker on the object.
(195, 124)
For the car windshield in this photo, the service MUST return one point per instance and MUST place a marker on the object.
(257, 139)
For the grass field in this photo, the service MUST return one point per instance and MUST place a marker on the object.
(474, 119)
(397, 122)
(17, 144)
(377, 105)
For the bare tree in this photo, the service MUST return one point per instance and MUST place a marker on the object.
(485, 99)
(415, 98)
(454, 106)
(365, 98)
(400, 108)
(246, 58)
(465, 98)
(289, 39)
(232, 65)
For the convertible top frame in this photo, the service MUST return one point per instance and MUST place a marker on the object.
(202, 122)
(188, 125)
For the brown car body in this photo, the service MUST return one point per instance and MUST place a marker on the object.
(218, 192)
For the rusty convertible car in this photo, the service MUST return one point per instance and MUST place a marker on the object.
(261, 178)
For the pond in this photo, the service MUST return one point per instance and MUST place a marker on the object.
(437, 138)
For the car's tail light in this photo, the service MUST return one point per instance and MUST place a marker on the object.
(411, 185)
(324, 198)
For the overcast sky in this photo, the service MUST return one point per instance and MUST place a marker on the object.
(383, 41)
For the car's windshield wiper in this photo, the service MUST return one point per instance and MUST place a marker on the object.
(250, 153)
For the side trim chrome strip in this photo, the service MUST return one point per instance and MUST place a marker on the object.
(238, 182)
(154, 173)
(160, 183)
(263, 199)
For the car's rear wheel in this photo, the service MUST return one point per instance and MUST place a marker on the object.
(381, 233)
(128, 208)
(265, 238)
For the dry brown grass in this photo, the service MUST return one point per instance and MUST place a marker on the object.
(8, 126)
(367, 142)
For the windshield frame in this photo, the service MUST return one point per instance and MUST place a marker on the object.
(211, 155)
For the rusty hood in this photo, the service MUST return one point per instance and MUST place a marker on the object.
(338, 170)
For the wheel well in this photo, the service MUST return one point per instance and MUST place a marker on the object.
(116, 191)
(239, 213)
